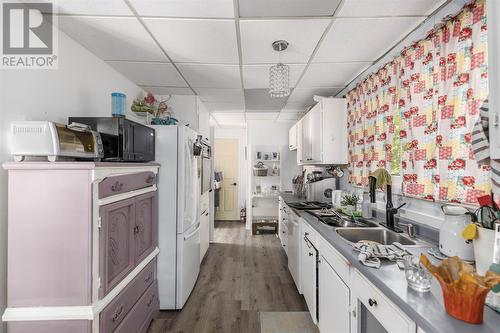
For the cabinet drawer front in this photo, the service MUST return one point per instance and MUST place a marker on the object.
(125, 183)
(388, 314)
(335, 259)
(117, 310)
(142, 312)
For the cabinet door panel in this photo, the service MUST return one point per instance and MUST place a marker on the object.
(315, 134)
(145, 234)
(116, 243)
(308, 277)
(334, 301)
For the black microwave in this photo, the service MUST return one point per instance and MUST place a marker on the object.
(123, 140)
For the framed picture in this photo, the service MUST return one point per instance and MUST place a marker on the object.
(276, 156)
(267, 156)
(258, 155)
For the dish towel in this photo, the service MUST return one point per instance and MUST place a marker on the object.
(480, 145)
(370, 253)
(383, 178)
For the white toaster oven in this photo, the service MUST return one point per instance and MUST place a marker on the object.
(54, 140)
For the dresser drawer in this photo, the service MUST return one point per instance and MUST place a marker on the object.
(138, 318)
(117, 310)
(125, 183)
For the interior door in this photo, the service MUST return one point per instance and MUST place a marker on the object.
(334, 301)
(226, 160)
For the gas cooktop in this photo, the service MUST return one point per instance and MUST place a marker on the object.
(309, 205)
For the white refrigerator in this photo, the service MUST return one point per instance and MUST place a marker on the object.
(178, 218)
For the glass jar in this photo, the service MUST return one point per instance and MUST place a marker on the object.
(118, 104)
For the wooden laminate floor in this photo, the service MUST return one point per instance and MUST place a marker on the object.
(240, 276)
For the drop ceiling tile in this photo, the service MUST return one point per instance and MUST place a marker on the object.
(289, 116)
(225, 107)
(331, 74)
(291, 107)
(266, 8)
(200, 41)
(262, 115)
(220, 95)
(389, 7)
(112, 38)
(168, 90)
(257, 37)
(93, 7)
(257, 76)
(259, 99)
(304, 96)
(211, 76)
(149, 73)
(351, 40)
(185, 8)
(229, 118)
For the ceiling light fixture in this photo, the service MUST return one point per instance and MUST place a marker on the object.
(279, 74)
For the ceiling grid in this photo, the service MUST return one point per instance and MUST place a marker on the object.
(221, 50)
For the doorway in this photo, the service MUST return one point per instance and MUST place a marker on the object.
(226, 161)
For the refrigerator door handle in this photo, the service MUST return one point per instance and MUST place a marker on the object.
(193, 233)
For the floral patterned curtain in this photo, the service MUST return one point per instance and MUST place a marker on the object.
(429, 97)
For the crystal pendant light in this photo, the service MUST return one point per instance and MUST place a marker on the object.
(279, 74)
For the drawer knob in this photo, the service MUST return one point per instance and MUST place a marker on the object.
(117, 187)
(311, 254)
(137, 229)
(372, 302)
(118, 313)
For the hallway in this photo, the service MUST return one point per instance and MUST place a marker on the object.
(240, 276)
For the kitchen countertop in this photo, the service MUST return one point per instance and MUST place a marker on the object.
(425, 309)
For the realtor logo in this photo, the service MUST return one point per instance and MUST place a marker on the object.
(28, 35)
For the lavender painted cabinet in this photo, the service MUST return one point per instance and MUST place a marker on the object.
(117, 242)
(82, 247)
(145, 233)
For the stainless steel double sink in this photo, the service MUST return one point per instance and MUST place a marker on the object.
(380, 235)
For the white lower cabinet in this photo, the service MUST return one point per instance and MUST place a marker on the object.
(334, 301)
(374, 312)
(293, 244)
(308, 272)
(339, 298)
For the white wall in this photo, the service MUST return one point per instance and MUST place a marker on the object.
(80, 87)
(184, 108)
(240, 134)
(272, 133)
(275, 133)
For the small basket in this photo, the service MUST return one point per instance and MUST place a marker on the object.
(260, 169)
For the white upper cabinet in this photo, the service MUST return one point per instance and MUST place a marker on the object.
(322, 133)
(292, 137)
